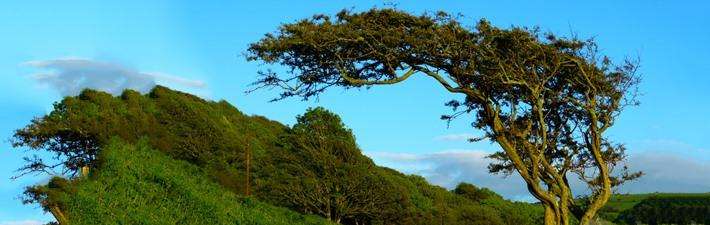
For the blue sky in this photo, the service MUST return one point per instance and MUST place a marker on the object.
(179, 44)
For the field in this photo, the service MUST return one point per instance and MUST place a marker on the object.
(621, 202)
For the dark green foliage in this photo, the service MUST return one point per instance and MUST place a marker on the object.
(512, 212)
(320, 170)
(476, 215)
(474, 193)
(662, 209)
(147, 187)
(516, 212)
(212, 134)
(317, 157)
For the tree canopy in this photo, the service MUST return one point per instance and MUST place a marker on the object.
(474, 193)
(322, 171)
(546, 100)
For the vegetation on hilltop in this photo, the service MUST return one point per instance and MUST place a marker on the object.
(313, 167)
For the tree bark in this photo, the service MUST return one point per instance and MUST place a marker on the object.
(597, 204)
(550, 217)
(58, 215)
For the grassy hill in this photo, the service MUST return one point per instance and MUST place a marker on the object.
(289, 168)
(139, 185)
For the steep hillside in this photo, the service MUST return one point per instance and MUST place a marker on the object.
(139, 185)
(313, 167)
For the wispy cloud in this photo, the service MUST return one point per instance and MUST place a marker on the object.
(668, 173)
(455, 137)
(168, 78)
(71, 75)
(671, 145)
(21, 222)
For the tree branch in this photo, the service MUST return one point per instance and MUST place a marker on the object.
(359, 82)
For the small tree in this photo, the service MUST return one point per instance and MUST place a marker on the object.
(74, 148)
(323, 172)
(546, 100)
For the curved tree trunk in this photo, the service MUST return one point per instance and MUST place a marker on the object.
(58, 215)
(550, 216)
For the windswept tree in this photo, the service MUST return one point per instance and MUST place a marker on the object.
(546, 100)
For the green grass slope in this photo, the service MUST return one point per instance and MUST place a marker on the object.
(139, 185)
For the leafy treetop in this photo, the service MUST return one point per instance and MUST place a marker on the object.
(546, 100)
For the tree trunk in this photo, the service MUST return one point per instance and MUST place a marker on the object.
(594, 207)
(551, 217)
(605, 192)
(58, 215)
(564, 215)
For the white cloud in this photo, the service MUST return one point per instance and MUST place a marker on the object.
(455, 137)
(668, 173)
(71, 75)
(178, 80)
(22, 222)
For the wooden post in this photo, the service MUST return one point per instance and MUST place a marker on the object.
(84, 171)
(248, 165)
(248, 171)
